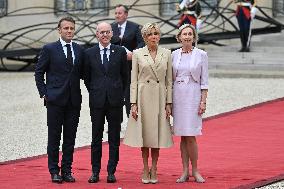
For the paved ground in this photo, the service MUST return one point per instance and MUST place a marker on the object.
(23, 116)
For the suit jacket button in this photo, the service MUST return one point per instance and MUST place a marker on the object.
(148, 81)
(157, 81)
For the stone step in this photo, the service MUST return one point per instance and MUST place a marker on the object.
(221, 73)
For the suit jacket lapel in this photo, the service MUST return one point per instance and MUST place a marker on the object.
(60, 49)
(177, 63)
(159, 57)
(75, 49)
(193, 57)
(115, 31)
(150, 61)
(98, 59)
(111, 56)
(125, 31)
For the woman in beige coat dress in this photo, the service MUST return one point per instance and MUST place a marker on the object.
(151, 99)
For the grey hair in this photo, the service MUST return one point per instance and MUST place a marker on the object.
(195, 35)
(146, 29)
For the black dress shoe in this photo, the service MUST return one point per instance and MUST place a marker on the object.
(67, 177)
(56, 178)
(111, 178)
(247, 49)
(94, 178)
(242, 49)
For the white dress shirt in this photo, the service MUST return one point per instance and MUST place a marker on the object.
(63, 43)
(102, 51)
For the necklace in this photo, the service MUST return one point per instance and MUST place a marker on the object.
(186, 52)
(152, 50)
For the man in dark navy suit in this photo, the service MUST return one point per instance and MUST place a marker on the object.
(61, 63)
(128, 35)
(105, 76)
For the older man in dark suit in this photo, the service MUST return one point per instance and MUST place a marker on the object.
(128, 35)
(61, 62)
(106, 76)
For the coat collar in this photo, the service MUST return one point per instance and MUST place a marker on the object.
(154, 64)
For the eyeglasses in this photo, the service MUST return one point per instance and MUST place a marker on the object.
(105, 32)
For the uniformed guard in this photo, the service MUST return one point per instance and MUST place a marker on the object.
(245, 13)
(191, 12)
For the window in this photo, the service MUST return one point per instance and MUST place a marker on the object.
(99, 7)
(207, 9)
(278, 8)
(3, 7)
(168, 7)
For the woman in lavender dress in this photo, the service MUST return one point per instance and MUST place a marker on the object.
(190, 75)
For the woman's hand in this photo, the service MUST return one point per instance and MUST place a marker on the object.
(202, 108)
(168, 110)
(134, 111)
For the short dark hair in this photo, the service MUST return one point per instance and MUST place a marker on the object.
(126, 9)
(68, 18)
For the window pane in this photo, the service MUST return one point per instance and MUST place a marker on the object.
(205, 9)
(168, 7)
(3, 7)
(278, 7)
(83, 6)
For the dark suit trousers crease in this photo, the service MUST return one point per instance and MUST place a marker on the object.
(58, 117)
(113, 116)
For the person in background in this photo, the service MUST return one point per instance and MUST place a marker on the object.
(151, 98)
(245, 13)
(105, 77)
(191, 13)
(190, 76)
(128, 35)
(61, 62)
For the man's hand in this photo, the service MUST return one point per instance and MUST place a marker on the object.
(129, 55)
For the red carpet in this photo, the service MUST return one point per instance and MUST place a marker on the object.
(239, 149)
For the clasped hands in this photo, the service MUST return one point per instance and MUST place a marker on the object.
(134, 111)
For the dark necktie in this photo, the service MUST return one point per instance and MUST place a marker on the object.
(69, 55)
(119, 31)
(105, 60)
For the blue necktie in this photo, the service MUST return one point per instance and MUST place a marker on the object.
(105, 60)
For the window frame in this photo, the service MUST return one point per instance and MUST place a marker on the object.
(275, 9)
(204, 11)
(87, 11)
(4, 9)
(161, 4)
(207, 11)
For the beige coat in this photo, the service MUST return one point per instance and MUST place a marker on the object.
(151, 89)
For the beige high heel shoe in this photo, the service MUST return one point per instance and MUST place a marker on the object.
(198, 178)
(153, 176)
(145, 180)
(182, 179)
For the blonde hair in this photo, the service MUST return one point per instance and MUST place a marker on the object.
(195, 35)
(146, 29)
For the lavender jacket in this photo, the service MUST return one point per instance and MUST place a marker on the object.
(198, 66)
